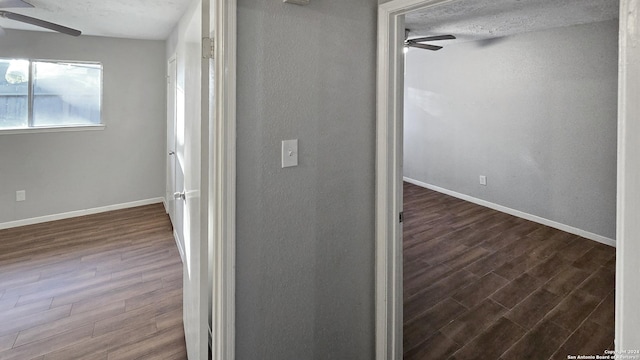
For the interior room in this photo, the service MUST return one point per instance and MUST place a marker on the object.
(304, 275)
(510, 179)
(88, 261)
(110, 209)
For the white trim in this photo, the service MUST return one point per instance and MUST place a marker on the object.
(390, 105)
(384, 327)
(176, 238)
(52, 129)
(77, 213)
(521, 214)
(178, 244)
(165, 205)
(627, 336)
(203, 241)
(388, 260)
(620, 205)
(223, 194)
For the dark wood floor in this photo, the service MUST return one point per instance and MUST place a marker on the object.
(480, 284)
(106, 286)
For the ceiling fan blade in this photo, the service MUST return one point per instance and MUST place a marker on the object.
(424, 46)
(434, 38)
(40, 23)
(14, 4)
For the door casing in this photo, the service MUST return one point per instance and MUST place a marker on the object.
(389, 175)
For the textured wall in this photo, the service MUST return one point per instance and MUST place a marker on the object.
(536, 113)
(69, 171)
(305, 242)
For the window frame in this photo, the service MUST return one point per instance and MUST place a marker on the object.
(30, 100)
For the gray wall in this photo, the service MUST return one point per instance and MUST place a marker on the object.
(70, 171)
(536, 113)
(305, 235)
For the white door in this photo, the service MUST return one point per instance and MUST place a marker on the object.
(195, 149)
(175, 173)
(171, 138)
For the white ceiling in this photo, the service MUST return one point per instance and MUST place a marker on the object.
(135, 19)
(471, 20)
(466, 19)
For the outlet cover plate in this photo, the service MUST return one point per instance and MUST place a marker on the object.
(21, 195)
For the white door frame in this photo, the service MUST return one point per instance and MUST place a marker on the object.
(389, 177)
(628, 207)
(223, 181)
(389, 135)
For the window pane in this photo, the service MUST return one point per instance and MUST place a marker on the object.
(66, 93)
(14, 93)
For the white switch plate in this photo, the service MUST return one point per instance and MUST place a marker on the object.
(21, 195)
(289, 153)
(483, 180)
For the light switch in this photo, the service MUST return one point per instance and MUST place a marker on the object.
(289, 153)
(483, 180)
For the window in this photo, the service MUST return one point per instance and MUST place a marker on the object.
(46, 94)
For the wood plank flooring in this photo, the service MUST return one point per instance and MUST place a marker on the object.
(105, 286)
(481, 284)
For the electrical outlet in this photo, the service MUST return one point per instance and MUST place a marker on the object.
(483, 180)
(21, 195)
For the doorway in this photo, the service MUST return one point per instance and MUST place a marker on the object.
(201, 172)
(389, 171)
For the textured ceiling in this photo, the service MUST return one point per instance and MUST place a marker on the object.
(467, 19)
(136, 19)
(471, 20)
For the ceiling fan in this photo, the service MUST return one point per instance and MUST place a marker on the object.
(416, 42)
(31, 20)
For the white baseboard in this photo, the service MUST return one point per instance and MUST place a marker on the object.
(518, 213)
(77, 213)
(178, 244)
(166, 205)
(175, 234)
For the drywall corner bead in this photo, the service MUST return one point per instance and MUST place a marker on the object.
(297, 2)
